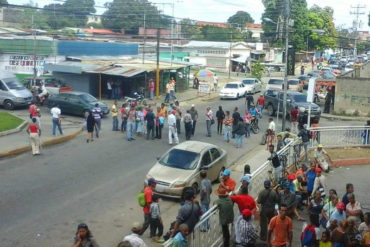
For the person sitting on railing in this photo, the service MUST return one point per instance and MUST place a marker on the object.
(322, 158)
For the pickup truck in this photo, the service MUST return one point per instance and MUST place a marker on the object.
(275, 97)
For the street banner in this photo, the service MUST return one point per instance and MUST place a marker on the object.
(204, 88)
(311, 90)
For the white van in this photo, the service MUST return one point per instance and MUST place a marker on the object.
(12, 92)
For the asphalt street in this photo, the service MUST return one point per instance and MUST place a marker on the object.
(43, 198)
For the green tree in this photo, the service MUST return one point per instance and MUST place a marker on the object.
(257, 69)
(129, 15)
(3, 2)
(273, 11)
(78, 10)
(40, 20)
(189, 28)
(241, 18)
(56, 17)
(300, 16)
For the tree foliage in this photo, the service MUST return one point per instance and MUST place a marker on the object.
(189, 28)
(3, 2)
(257, 69)
(129, 15)
(240, 18)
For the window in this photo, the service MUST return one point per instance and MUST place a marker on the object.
(206, 159)
(215, 153)
(2, 86)
(74, 99)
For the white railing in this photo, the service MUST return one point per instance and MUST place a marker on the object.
(341, 136)
(213, 236)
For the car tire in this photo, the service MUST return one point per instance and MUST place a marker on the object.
(195, 188)
(270, 110)
(8, 104)
(237, 96)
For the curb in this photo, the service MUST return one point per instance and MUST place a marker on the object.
(43, 144)
(15, 130)
(350, 162)
(341, 118)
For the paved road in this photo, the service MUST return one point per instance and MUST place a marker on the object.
(44, 198)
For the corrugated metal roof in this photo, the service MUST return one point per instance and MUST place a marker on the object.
(119, 71)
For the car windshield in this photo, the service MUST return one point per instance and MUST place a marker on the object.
(13, 84)
(231, 86)
(299, 98)
(276, 81)
(88, 98)
(180, 159)
(248, 82)
(293, 82)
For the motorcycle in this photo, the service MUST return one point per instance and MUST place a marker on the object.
(254, 125)
(135, 98)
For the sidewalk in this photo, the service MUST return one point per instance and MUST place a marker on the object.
(17, 143)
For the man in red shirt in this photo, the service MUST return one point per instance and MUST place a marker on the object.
(35, 113)
(148, 193)
(227, 182)
(260, 104)
(294, 119)
(280, 231)
(244, 200)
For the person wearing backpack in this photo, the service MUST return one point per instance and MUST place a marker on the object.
(305, 135)
(310, 236)
(280, 233)
(148, 193)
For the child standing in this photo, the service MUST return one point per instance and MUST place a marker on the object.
(155, 220)
(325, 240)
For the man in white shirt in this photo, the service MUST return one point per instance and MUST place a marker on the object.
(215, 82)
(56, 114)
(109, 88)
(134, 238)
(172, 131)
(270, 132)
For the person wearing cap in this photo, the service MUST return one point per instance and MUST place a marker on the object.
(148, 194)
(244, 200)
(134, 238)
(338, 215)
(227, 182)
(172, 130)
(280, 231)
(84, 237)
(320, 182)
(260, 104)
(226, 213)
(300, 190)
(194, 117)
(302, 172)
(267, 199)
(248, 233)
(322, 158)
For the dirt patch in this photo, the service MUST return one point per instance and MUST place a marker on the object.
(348, 153)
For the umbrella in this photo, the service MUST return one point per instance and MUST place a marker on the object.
(204, 73)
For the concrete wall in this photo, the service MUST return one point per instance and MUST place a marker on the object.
(77, 82)
(352, 91)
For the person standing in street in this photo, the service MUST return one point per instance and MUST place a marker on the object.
(131, 121)
(236, 117)
(228, 126)
(247, 118)
(57, 119)
(109, 88)
(260, 104)
(150, 123)
(267, 199)
(178, 117)
(215, 82)
(248, 232)
(188, 122)
(84, 237)
(34, 132)
(294, 120)
(151, 89)
(114, 111)
(270, 132)
(172, 89)
(220, 115)
(227, 182)
(159, 122)
(209, 120)
(239, 132)
(35, 113)
(97, 114)
(305, 135)
(90, 124)
(168, 91)
(205, 196)
(194, 117)
(249, 100)
(148, 194)
(172, 130)
(277, 168)
(123, 111)
(134, 239)
(156, 222)
(226, 213)
(280, 232)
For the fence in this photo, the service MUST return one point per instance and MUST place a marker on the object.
(343, 136)
(213, 236)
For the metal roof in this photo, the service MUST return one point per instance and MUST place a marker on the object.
(118, 71)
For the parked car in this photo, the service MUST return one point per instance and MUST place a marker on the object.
(76, 103)
(252, 85)
(303, 79)
(314, 73)
(233, 90)
(12, 92)
(274, 100)
(348, 68)
(275, 83)
(180, 167)
(295, 85)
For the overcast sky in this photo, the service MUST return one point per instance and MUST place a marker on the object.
(220, 10)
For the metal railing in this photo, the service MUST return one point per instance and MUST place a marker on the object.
(213, 236)
(341, 136)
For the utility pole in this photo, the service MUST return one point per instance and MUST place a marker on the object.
(285, 85)
(173, 19)
(34, 49)
(356, 22)
(157, 70)
(231, 37)
(144, 37)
